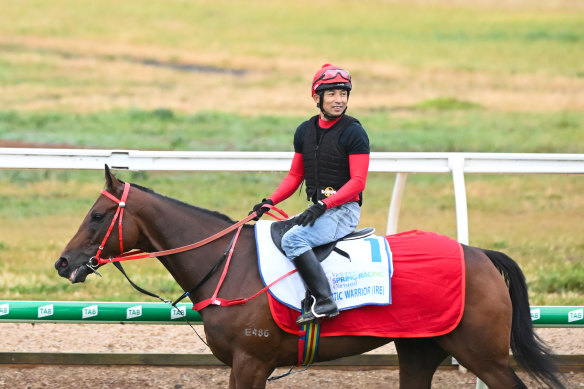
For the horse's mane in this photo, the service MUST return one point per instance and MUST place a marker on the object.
(216, 214)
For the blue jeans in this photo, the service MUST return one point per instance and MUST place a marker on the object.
(334, 224)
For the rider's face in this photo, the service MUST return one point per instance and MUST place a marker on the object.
(334, 101)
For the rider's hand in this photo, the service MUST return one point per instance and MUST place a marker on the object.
(311, 214)
(260, 209)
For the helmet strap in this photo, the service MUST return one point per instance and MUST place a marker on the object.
(320, 97)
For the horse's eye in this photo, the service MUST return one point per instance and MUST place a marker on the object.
(97, 216)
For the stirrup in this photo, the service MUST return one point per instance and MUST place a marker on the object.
(311, 315)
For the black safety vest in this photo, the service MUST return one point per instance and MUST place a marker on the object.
(326, 163)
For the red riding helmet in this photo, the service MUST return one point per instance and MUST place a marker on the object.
(331, 77)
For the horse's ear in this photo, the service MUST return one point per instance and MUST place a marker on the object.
(110, 180)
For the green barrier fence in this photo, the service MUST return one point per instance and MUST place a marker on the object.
(160, 313)
(557, 316)
(96, 312)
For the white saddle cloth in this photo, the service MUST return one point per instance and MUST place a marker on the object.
(364, 279)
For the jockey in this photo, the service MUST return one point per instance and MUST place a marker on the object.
(331, 153)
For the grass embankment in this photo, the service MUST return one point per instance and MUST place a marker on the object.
(441, 126)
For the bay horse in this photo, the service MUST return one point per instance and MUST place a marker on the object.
(496, 310)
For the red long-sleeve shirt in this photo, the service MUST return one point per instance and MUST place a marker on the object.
(358, 166)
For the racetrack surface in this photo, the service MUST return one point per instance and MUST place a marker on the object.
(116, 338)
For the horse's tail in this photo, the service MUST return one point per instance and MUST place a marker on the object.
(529, 350)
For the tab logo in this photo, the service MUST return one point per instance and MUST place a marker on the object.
(178, 312)
(45, 310)
(4, 309)
(535, 314)
(134, 312)
(89, 311)
(576, 315)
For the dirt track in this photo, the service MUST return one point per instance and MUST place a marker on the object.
(181, 339)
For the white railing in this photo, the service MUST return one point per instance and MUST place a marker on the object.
(456, 164)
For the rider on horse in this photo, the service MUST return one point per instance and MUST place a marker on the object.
(331, 152)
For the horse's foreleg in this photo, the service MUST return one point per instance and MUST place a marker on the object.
(231, 380)
(249, 372)
(418, 361)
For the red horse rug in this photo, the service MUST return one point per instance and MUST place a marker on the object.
(427, 293)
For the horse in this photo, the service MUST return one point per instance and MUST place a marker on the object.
(496, 313)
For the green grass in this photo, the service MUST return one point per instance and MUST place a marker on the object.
(563, 278)
(467, 37)
(446, 104)
(434, 125)
(66, 56)
(157, 129)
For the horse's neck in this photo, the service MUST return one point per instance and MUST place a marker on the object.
(173, 225)
(181, 225)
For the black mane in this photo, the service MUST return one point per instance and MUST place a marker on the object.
(186, 205)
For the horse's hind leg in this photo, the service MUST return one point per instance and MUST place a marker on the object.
(418, 361)
(481, 341)
(492, 368)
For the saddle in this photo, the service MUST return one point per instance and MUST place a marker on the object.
(278, 229)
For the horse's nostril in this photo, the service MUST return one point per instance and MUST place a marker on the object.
(63, 262)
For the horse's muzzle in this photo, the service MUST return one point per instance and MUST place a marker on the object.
(61, 264)
(65, 270)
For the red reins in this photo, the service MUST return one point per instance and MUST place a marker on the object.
(137, 254)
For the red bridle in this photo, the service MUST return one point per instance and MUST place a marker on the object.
(119, 212)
